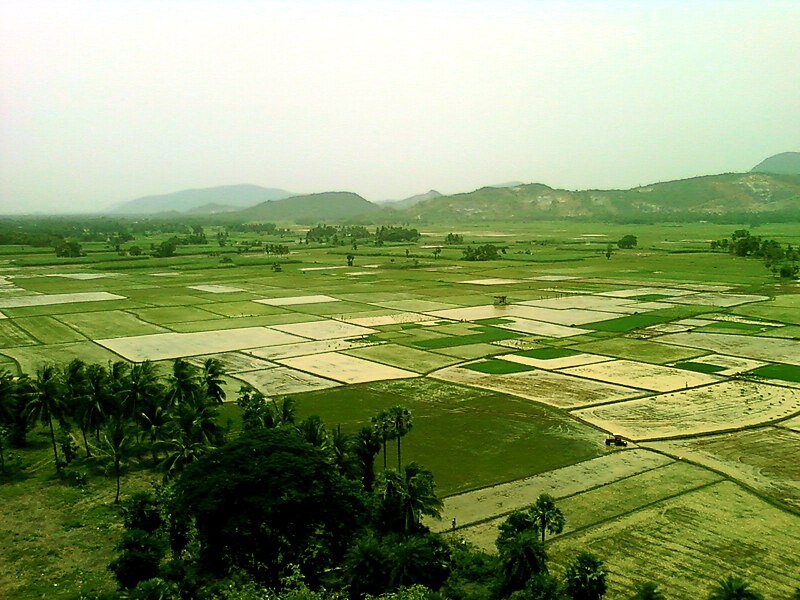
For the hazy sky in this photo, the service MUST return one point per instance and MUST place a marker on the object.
(110, 100)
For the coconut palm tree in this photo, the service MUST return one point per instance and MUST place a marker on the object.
(365, 446)
(47, 402)
(76, 393)
(382, 426)
(733, 588)
(521, 557)
(143, 384)
(213, 381)
(116, 447)
(315, 433)
(406, 497)
(547, 515)
(7, 399)
(400, 423)
(585, 577)
(184, 384)
(97, 400)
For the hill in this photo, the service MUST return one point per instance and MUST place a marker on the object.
(785, 163)
(238, 196)
(732, 196)
(332, 207)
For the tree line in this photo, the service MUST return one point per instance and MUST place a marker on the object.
(281, 507)
(781, 261)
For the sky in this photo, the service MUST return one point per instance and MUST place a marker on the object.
(105, 101)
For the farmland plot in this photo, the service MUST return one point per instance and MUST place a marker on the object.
(718, 407)
(305, 348)
(161, 346)
(684, 544)
(758, 348)
(346, 369)
(729, 365)
(278, 380)
(488, 503)
(296, 300)
(552, 388)
(573, 360)
(324, 330)
(656, 378)
(51, 299)
(610, 500)
(764, 458)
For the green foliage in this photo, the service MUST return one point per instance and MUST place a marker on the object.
(243, 524)
(482, 252)
(647, 591)
(454, 238)
(166, 248)
(68, 249)
(390, 233)
(585, 578)
(627, 242)
(733, 588)
(521, 556)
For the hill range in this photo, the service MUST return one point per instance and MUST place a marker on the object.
(770, 191)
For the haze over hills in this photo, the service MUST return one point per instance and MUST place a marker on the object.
(785, 163)
(411, 200)
(236, 196)
(710, 196)
(309, 208)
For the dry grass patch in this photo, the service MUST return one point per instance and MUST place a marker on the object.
(759, 348)
(656, 378)
(718, 407)
(277, 380)
(324, 330)
(765, 458)
(685, 544)
(346, 369)
(552, 388)
(161, 346)
(50, 299)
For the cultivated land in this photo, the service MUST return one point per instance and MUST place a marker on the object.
(691, 355)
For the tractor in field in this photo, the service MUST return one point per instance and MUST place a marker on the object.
(615, 440)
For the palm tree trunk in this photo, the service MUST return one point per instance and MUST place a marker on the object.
(86, 444)
(53, 439)
(117, 470)
(398, 453)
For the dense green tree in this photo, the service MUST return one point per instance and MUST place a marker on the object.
(733, 588)
(541, 586)
(521, 557)
(547, 515)
(518, 522)
(647, 591)
(242, 523)
(422, 559)
(406, 497)
(46, 404)
(627, 242)
(585, 578)
(367, 566)
(16, 395)
(98, 399)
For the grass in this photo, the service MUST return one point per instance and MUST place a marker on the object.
(449, 421)
(778, 371)
(641, 350)
(497, 366)
(490, 334)
(699, 367)
(626, 323)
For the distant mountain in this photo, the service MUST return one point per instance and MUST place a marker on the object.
(785, 163)
(412, 200)
(331, 207)
(708, 197)
(238, 196)
(212, 209)
(506, 184)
